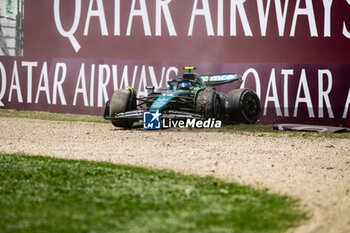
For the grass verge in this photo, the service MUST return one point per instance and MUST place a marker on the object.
(51, 116)
(41, 194)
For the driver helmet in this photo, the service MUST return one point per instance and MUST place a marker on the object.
(185, 86)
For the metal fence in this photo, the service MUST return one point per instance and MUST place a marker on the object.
(11, 33)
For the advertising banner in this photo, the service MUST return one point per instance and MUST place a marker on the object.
(312, 94)
(294, 54)
(213, 31)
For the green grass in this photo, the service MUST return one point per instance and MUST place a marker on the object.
(51, 116)
(41, 194)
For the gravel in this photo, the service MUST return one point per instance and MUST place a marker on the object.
(301, 167)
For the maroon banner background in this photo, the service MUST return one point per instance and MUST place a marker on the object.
(294, 54)
(214, 31)
(309, 94)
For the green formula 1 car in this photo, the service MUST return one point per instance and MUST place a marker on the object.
(190, 96)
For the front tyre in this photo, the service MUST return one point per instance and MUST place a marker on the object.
(107, 109)
(122, 100)
(207, 104)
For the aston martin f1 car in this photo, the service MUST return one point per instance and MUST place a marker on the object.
(190, 96)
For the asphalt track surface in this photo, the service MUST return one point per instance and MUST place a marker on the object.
(302, 167)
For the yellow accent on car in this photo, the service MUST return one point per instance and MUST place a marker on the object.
(132, 91)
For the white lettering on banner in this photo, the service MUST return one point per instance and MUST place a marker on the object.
(153, 77)
(167, 78)
(57, 84)
(92, 85)
(238, 5)
(257, 80)
(220, 23)
(142, 83)
(201, 12)
(263, 15)
(125, 78)
(104, 75)
(134, 76)
(100, 13)
(281, 16)
(69, 33)
(347, 104)
(3, 83)
(327, 17)
(117, 17)
(307, 99)
(15, 84)
(346, 33)
(44, 77)
(115, 77)
(286, 74)
(162, 77)
(309, 12)
(82, 90)
(324, 95)
(282, 83)
(163, 6)
(29, 66)
(274, 97)
(238, 11)
(139, 12)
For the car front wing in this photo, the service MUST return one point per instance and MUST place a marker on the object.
(167, 114)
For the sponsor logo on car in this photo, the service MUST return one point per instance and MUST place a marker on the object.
(219, 77)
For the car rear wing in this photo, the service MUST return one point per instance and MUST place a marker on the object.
(220, 79)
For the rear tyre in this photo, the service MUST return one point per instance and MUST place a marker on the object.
(208, 104)
(122, 100)
(243, 106)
